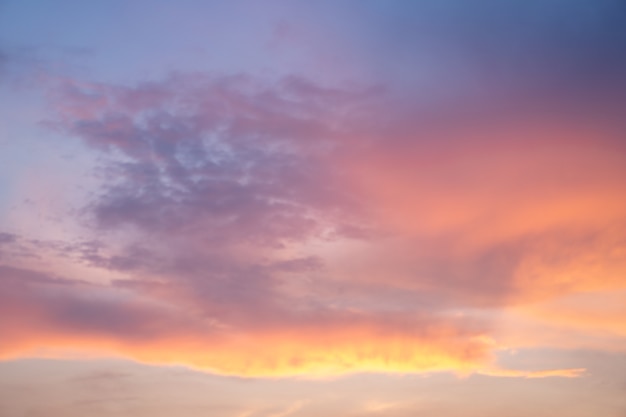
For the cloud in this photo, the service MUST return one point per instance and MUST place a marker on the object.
(498, 214)
(48, 316)
(562, 373)
(283, 228)
(228, 155)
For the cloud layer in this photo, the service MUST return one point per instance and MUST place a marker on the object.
(271, 226)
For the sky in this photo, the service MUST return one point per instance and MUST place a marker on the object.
(295, 209)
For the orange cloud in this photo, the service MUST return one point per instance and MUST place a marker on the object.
(536, 209)
(509, 373)
(44, 316)
(594, 314)
(317, 351)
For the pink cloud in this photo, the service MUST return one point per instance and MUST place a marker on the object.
(333, 230)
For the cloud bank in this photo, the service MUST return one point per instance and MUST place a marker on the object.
(284, 226)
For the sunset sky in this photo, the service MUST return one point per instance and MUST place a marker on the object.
(313, 208)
